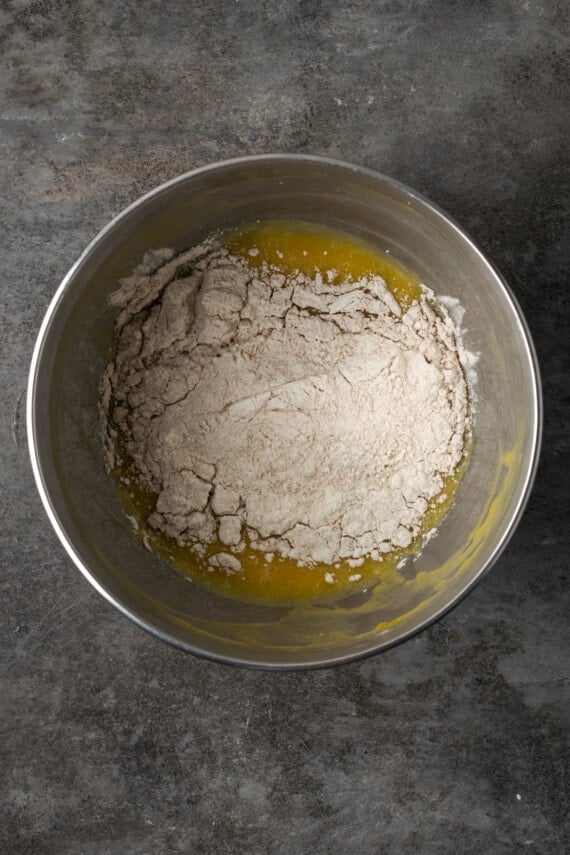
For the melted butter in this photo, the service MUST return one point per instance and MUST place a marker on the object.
(295, 246)
(282, 580)
(298, 246)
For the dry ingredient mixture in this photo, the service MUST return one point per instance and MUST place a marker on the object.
(313, 418)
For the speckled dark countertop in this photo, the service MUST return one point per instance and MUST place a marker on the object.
(111, 742)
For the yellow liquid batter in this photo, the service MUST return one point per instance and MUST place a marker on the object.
(294, 246)
(299, 246)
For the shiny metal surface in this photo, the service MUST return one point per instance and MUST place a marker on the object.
(63, 420)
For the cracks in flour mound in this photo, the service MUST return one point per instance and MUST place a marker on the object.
(316, 419)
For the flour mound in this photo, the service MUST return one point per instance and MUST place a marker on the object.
(313, 418)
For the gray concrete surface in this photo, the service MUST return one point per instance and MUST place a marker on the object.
(110, 741)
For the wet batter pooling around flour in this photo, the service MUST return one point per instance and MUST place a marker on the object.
(285, 411)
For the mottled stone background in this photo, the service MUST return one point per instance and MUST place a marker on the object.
(112, 742)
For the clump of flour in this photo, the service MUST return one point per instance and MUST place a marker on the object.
(317, 420)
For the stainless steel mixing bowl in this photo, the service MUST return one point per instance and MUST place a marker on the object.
(79, 496)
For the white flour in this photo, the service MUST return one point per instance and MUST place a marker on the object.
(316, 418)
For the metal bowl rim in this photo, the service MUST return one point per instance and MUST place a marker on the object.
(31, 426)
